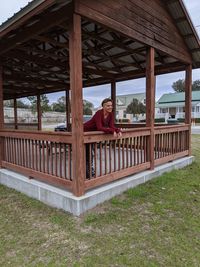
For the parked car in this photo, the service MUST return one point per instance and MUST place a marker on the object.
(62, 127)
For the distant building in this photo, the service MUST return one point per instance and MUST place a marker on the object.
(25, 115)
(122, 101)
(172, 105)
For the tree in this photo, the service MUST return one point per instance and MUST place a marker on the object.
(196, 85)
(135, 107)
(87, 107)
(179, 85)
(20, 103)
(44, 101)
(60, 105)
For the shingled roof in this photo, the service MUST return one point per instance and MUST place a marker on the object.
(177, 99)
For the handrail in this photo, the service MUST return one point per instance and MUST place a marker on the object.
(61, 137)
(171, 128)
(97, 136)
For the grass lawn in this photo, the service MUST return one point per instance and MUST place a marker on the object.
(155, 224)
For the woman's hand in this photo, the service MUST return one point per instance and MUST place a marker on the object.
(117, 135)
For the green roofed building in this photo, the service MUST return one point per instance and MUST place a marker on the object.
(172, 105)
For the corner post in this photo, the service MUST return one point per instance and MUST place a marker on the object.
(113, 97)
(150, 101)
(67, 105)
(188, 105)
(1, 117)
(15, 113)
(39, 112)
(75, 55)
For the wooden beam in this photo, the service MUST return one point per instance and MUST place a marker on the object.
(37, 28)
(125, 23)
(33, 12)
(188, 100)
(150, 101)
(32, 91)
(52, 41)
(67, 111)
(30, 80)
(39, 112)
(75, 54)
(20, 55)
(15, 113)
(1, 117)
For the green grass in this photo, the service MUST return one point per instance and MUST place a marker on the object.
(155, 224)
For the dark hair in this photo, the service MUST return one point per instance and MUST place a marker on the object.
(106, 100)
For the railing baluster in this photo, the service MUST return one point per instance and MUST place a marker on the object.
(127, 152)
(51, 158)
(56, 159)
(123, 163)
(64, 160)
(134, 150)
(43, 157)
(131, 151)
(105, 155)
(48, 155)
(69, 162)
(95, 160)
(141, 148)
(138, 151)
(110, 156)
(119, 152)
(100, 161)
(114, 155)
(8, 151)
(60, 160)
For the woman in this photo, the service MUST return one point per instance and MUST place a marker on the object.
(103, 120)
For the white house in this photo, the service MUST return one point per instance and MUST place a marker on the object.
(122, 101)
(172, 105)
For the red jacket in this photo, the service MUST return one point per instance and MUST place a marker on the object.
(98, 123)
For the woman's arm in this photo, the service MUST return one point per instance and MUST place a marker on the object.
(112, 125)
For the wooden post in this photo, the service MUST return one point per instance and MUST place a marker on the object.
(75, 55)
(188, 105)
(150, 101)
(113, 97)
(39, 113)
(1, 117)
(67, 111)
(15, 113)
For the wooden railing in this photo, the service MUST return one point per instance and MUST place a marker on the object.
(44, 155)
(48, 155)
(171, 142)
(110, 158)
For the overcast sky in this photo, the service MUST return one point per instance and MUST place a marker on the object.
(95, 95)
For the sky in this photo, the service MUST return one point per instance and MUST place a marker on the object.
(97, 94)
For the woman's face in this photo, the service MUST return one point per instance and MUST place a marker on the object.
(108, 107)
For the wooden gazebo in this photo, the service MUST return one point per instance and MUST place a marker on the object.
(65, 45)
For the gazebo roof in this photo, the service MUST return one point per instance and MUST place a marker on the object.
(34, 49)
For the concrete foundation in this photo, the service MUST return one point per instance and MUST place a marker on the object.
(65, 200)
